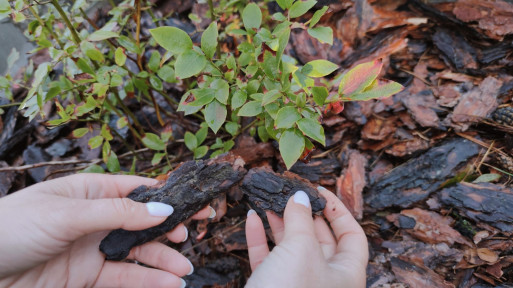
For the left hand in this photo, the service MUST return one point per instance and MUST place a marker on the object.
(51, 231)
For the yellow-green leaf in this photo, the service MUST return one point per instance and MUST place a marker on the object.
(172, 39)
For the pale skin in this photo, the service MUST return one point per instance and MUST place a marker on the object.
(51, 232)
(307, 253)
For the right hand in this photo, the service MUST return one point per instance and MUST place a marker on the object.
(307, 253)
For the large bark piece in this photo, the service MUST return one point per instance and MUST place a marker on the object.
(188, 189)
(270, 191)
(485, 202)
(419, 177)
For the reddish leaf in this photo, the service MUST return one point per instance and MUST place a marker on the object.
(359, 78)
(334, 107)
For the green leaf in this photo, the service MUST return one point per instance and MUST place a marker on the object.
(320, 93)
(312, 129)
(323, 34)
(120, 56)
(378, 90)
(286, 117)
(172, 39)
(157, 157)
(102, 35)
(185, 107)
(232, 128)
(200, 152)
(360, 77)
(301, 7)
(202, 133)
(105, 132)
(156, 83)
(82, 65)
(95, 142)
(122, 122)
(209, 40)
(189, 64)
(487, 178)
(113, 162)
(153, 142)
(250, 109)
(292, 144)
(154, 62)
(202, 96)
(317, 16)
(129, 44)
(271, 96)
(215, 115)
(167, 74)
(93, 169)
(190, 141)
(285, 4)
(238, 99)
(320, 68)
(222, 90)
(252, 16)
(80, 132)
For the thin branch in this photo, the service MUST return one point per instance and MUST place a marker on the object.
(64, 17)
(67, 162)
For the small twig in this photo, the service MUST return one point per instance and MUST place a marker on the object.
(74, 33)
(66, 162)
(213, 237)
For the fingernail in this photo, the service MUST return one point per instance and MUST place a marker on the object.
(183, 283)
(159, 209)
(301, 198)
(186, 234)
(212, 213)
(321, 188)
(192, 268)
(251, 212)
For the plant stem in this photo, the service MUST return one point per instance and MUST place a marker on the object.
(74, 33)
(213, 17)
(138, 31)
(42, 23)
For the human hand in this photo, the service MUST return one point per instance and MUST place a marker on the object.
(307, 254)
(50, 233)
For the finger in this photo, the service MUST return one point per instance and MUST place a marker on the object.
(277, 226)
(179, 234)
(162, 257)
(207, 212)
(255, 237)
(325, 237)
(117, 274)
(351, 240)
(111, 213)
(298, 216)
(93, 186)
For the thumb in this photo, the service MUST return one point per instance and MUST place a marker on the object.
(114, 213)
(298, 215)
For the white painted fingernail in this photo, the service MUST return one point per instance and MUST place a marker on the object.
(183, 283)
(159, 209)
(251, 212)
(321, 188)
(301, 198)
(212, 213)
(192, 268)
(186, 234)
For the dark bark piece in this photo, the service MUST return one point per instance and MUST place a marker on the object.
(270, 191)
(321, 171)
(485, 202)
(188, 189)
(455, 49)
(417, 275)
(419, 177)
